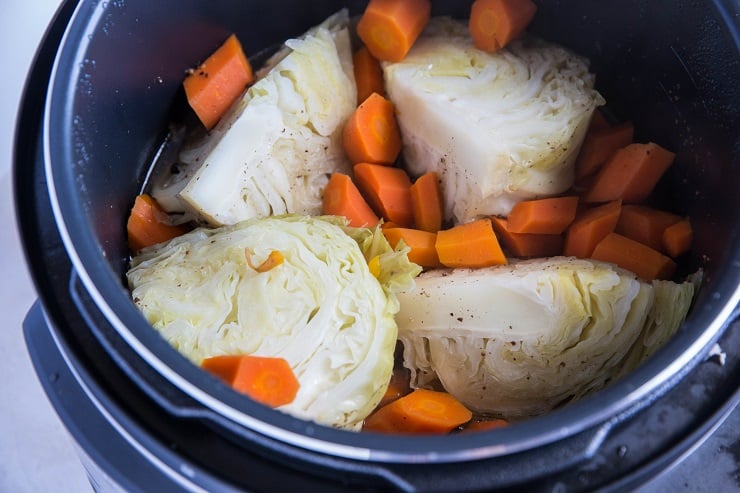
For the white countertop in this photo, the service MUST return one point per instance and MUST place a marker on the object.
(36, 452)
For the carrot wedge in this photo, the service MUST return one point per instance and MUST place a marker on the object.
(368, 74)
(526, 245)
(342, 198)
(543, 216)
(389, 28)
(472, 244)
(590, 227)
(420, 412)
(426, 202)
(371, 134)
(217, 83)
(388, 191)
(599, 145)
(494, 23)
(267, 380)
(645, 224)
(634, 256)
(630, 174)
(147, 224)
(421, 243)
(677, 238)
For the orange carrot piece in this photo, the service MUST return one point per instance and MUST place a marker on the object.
(218, 82)
(634, 256)
(388, 191)
(645, 224)
(371, 134)
(590, 227)
(472, 244)
(398, 386)
(543, 216)
(342, 198)
(598, 121)
(420, 412)
(486, 424)
(368, 74)
(526, 245)
(389, 28)
(421, 243)
(147, 224)
(630, 174)
(267, 380)
(494, 23)
(677, 238)
(426, 202)
(388, 225)
(599, 145)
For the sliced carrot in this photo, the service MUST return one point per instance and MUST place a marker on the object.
(543, 216)
(599, 145)
(472, 244)
(486, 424)
(422, 411)
(388, 191)
(368, 74)
(398, 386)
(590, 227)
(342, 198)
(634, 256)
(526, 245)
(645, 224)
(494, 23)
(677, 238)
(598, 121)
(371, 134)
(147, 224)
(389, 28)
(421, 244)
(267, 380)
(426, 202)
(217, 83)
(630, 174)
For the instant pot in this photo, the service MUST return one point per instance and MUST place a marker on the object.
(95, 113)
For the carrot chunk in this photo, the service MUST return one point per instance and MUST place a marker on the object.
(342, 198)
(389, 28)
(645, 224)
(472, 244)
(398, 386)
(267, 380)
(599, 145)
(420, 412)
(630, 174)
(526, 245)
(371, 134)
(543, 216)
(217, 83)
(590, 227)
(147, 224)
(388, 191)
(677, 238)
(368, 74)
(494, 23)
(634, 256)
(426, 202)
(421, 243)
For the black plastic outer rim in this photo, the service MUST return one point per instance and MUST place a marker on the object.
(703, 327)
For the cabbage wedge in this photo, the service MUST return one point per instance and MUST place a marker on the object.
(274, 151)
(497, 128)
(321, 308)
(516, 341)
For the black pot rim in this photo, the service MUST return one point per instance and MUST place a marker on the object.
(703, 326)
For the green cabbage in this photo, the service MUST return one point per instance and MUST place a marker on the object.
(517, 340)
(274, 151)
(497, 128)
(321, 309)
